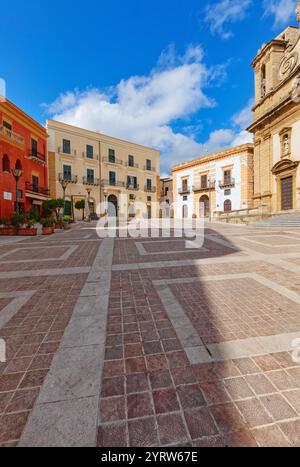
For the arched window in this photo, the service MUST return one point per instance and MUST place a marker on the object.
(18, 164)
(263, 81)
(227, 206)
(5, 163)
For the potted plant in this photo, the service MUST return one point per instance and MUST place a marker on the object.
(54, 206)
(29, 229)
(17, 219)
(66, 221)
(48, 225)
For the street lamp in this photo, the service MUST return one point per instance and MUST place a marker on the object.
(17, 173)
(105, 202)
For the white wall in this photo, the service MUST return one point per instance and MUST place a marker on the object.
(178, 199)
(236, 191)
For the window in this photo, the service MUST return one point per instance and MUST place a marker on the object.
(19, 194)
(227, 192)
(149, 184)
(66, 146)
(263, 81)
(67, 172)
(185, 198)
(90, 175)
(204, 181)
(184, 185)
(112, 155)
(148, 164)
(35, 183)
(227, 206)
(131, 181)
(132, 197)
(89, 151)
(130, 161)
(7, 125)
(166, 191)
(112, 178)
(227, 176)
(5, 163)
(149, 199)
(34, 147)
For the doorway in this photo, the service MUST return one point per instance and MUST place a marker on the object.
(204, 206)
(287, 194)
(112, 206)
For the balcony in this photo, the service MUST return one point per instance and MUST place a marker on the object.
(67, 178)
(184, 190)
(71, 153)
(89, 181)
(206, 187)
(11, 136)
(149, 169)
(37, 157)
(111, 160)
(112, 183)
(132, 166)
(37, 189)
(94, 157)
(227, 183)
(132, 187)
(150, 189)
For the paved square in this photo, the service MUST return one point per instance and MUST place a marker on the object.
(132, 342)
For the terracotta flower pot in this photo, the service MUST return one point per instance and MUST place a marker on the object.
(27, 232)
(59, 225)
(47, 230)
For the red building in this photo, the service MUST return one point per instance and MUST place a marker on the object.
(23, 146)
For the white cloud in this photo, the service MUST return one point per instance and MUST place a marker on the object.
(145, 109)
(142, 108)
(224, 12)
(281, 10)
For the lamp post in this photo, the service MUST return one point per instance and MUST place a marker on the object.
(105, 198)
(17, 173)
(64, 185)
(89, 190)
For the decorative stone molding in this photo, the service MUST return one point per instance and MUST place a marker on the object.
(285, 142)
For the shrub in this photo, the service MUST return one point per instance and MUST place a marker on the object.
(47, 221)
(17, 219)
(66, 219)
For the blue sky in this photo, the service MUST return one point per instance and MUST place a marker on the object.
(174, 74)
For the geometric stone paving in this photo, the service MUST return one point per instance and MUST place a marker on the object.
(151, 334)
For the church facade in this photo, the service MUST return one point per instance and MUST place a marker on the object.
(276, 125)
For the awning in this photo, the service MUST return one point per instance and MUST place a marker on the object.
(37, 203)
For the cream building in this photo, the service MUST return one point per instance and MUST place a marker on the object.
(216, 183)
(276, 125)
(115, 175)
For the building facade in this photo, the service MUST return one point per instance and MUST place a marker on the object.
(114, 175)
(23, 152)
(276, 125)
(216, 183)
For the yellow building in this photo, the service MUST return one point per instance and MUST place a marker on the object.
(214, 184)
(276, 125)
(115, 175)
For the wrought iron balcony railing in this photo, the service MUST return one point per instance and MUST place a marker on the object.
(90, 181)
(113, 183)
(206, 187)
(11, 135)
(184, 190)
(37, 189)
(132, 186)
(132, 166)
(112, 160)
(37, 156)
(90, 156)
(149, 169)
(67, 178)
(150, 189)
(227, 183)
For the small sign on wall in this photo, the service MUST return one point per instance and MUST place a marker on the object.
(7, 196)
